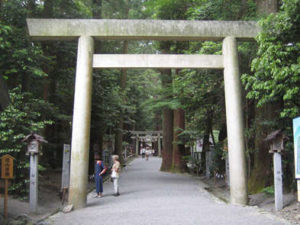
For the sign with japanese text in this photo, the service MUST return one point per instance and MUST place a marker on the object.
(7, 167)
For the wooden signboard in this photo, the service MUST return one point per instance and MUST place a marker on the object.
(7, 167)
(7, 172)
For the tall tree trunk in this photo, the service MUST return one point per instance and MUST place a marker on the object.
(178, 149)
(97, 14)
(206, 143)
(123, 78)
(119, 133)
(30, 13)
(168, 129)
(48, 9)
(47, 46)
(261, 175)
(266, 6)
(49, 131)
(167, 140)
(98, 134)
(243, 9)
(97, 9)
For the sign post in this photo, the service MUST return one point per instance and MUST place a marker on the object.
(276, 142)
(65, 179)
(7, 172)
(296, 132)
(33, 141)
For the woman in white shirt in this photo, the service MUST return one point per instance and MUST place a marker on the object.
(115, 173)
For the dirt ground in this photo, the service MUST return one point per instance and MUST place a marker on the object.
(49, 200)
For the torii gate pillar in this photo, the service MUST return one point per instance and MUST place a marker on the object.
(81, 123)
(137, 145)
(234, 120)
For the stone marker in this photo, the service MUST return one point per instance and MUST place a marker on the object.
(208, 163)
(278, 181)
(65, 179)
(227, 171)
(33, 147)
(276, 142)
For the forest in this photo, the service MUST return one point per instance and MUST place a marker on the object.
(186, 104)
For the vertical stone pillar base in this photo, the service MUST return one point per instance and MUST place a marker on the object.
(234, 118)
(81, 123)
(278, 181)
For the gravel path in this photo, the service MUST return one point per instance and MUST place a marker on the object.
(149, 196)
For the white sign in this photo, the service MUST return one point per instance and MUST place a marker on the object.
(296, 132)
(199, 145)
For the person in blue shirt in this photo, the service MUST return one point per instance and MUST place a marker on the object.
(100, 170)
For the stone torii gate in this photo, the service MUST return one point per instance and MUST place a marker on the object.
(155, 135)
(86, 31)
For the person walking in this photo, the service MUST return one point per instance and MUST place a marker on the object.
(100, 169)
(147, 153)
(143, 152)
(115, 174)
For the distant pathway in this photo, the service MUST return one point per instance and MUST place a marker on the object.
(151, 197)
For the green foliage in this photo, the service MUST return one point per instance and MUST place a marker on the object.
(275, 76)
(19, 119)
(277, 65)
(199, 92)
(269, 190)
(218, 162)
(222, 10)
(168, 9)
(47, 69)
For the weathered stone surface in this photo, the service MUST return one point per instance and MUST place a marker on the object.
(81, 123)
(234, 120)
(68, 208)
(278, 192)
(45, 29)
(158, 61)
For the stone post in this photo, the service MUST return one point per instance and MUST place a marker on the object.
(137, 145)
(234, 119)
(227, 180)
(159, 145)
(33, 193)
(277, 181)
(65, 179)
(81, 123)
(208, 164)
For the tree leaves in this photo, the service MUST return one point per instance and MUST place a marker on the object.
(276, 67)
